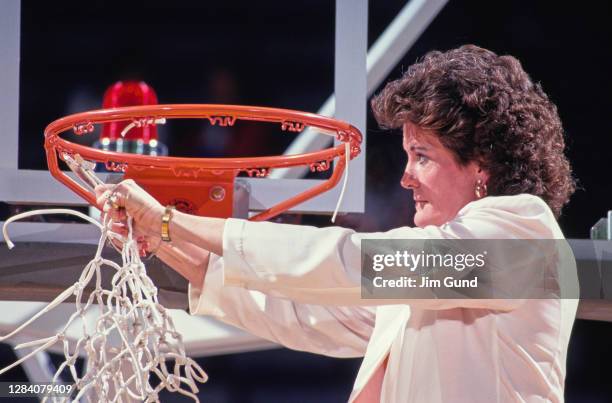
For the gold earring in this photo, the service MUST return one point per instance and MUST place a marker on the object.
(481, 189)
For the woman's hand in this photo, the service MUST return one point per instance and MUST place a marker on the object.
(129, 199)
(190, 259)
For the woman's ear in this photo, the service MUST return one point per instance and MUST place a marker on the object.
(483, 174)
(480, 172)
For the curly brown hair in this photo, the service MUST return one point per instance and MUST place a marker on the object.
(485, 108)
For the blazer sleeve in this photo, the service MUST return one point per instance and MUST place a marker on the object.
(322, 266)
(326, 330)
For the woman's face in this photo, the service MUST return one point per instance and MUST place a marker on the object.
(440, 186)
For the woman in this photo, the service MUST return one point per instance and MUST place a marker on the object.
(485, 161)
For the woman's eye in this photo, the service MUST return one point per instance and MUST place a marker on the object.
(421, 159)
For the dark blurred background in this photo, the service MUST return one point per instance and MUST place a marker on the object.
(281, 54)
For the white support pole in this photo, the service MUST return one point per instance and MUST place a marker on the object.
(384, 54)
(399, 37)
(10, 31)
(350, 81)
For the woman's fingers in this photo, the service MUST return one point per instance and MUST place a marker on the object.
(99, 190)
(137, 203)
(127, 199)
(102, 198)
(118, 215)
(111, 201)
(148, 244)
(145, 244)
(120, 228)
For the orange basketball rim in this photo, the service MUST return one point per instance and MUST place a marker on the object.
(202, 186)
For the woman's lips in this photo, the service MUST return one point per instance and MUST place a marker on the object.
(420, 204)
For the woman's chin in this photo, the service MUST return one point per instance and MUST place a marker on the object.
(421, 219)
(425, 218)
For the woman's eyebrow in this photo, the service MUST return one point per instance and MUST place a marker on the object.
(418, 148)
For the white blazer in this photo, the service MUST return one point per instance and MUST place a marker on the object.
(300, 286)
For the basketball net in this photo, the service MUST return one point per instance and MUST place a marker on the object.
(134, 339)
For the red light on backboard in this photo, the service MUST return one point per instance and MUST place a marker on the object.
(128, 93)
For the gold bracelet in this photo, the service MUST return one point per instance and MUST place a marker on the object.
(165, 225)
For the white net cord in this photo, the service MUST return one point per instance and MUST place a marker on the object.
(134, 338)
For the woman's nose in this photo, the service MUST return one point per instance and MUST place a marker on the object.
(408, 181)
